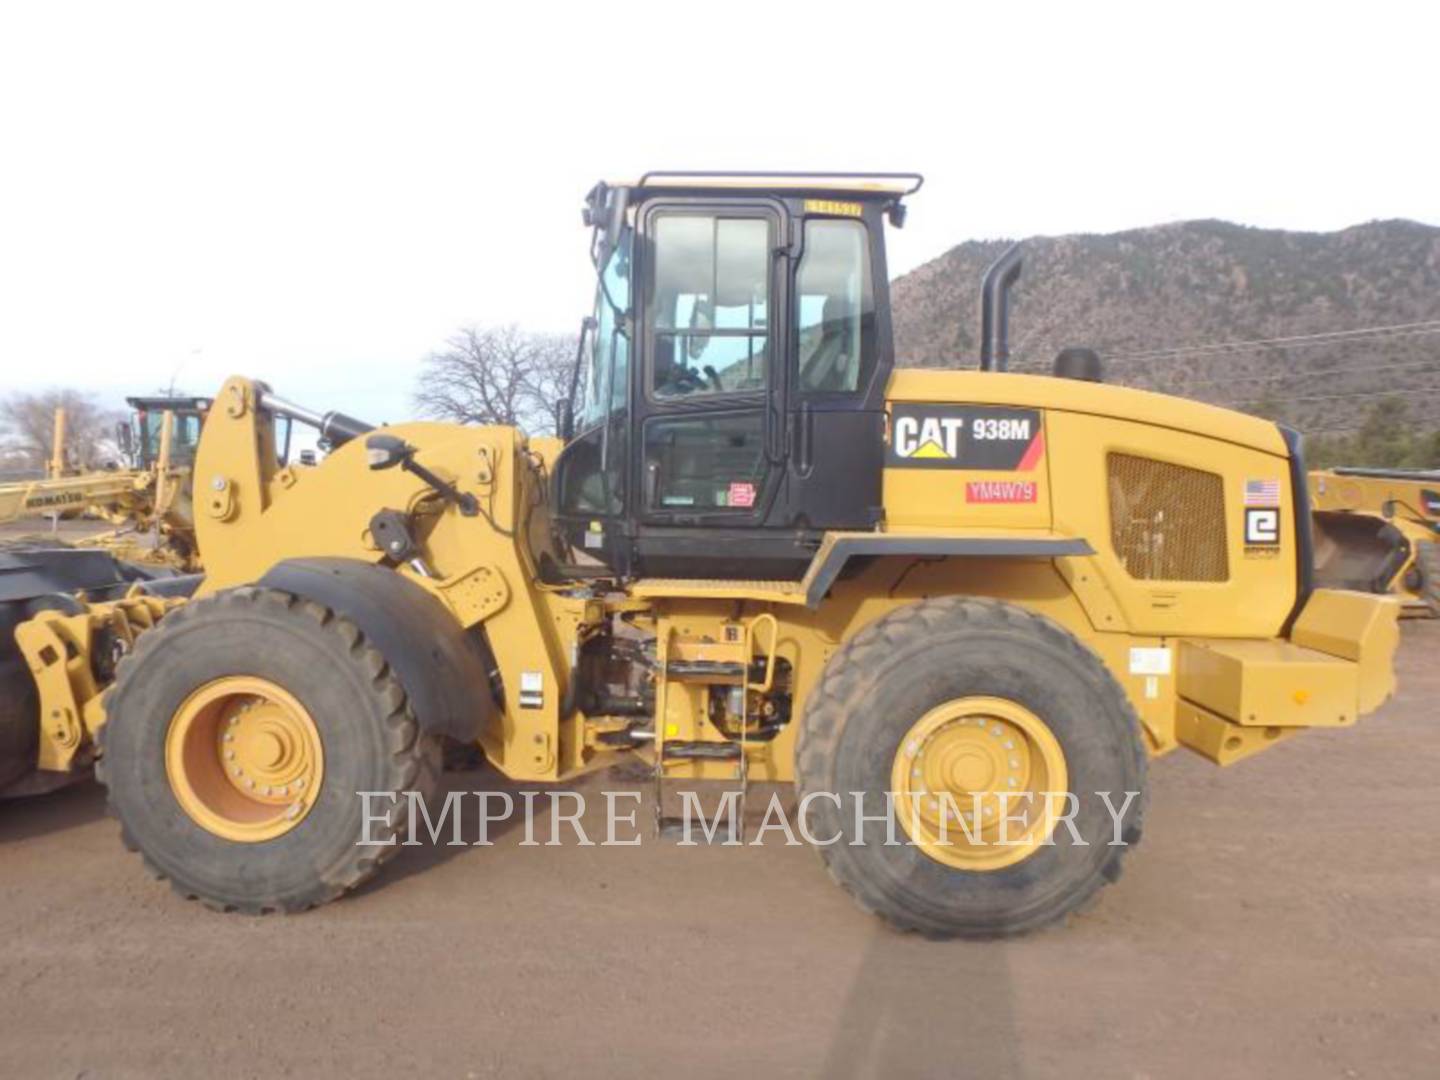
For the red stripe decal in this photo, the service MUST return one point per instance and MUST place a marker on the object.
(1033, 452)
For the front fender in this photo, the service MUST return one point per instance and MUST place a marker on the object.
(444, 668)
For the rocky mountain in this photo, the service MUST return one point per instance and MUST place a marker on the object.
(1165, 307)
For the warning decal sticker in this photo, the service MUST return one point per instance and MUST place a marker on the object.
(966, 437)
(740, 494)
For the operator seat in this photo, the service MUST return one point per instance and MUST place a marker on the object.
(825, 368)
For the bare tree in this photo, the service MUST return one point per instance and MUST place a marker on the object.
(498, 375)
(27, 426)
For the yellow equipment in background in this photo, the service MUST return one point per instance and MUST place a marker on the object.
(1378, 530)
(148, 501)
(979, 601)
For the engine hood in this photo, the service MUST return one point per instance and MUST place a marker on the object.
(928, 385)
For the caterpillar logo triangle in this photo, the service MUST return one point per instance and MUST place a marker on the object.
(930, 449)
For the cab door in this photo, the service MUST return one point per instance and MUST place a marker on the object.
(712, 439)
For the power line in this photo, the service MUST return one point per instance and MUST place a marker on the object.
(1334, 372)
(1359, 369)
(1393, 392)
(1428, 326)
(1308, 373)
(1361, 336)
(1374, 341)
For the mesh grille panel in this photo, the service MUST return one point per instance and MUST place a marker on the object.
(1167, 522)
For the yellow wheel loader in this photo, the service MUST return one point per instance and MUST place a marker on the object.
(959, 609)
(1378, 530)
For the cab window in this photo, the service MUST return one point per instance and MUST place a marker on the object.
(709, 305)
(835, 307)
(591, 474)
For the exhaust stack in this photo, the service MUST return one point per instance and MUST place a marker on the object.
(995, 309)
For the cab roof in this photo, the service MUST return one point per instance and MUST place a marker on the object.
(856, 185)
(168, 403)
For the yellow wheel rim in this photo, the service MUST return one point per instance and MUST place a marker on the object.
(966, 764)
(244, 759)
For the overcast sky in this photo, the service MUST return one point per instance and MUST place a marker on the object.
(317, 194)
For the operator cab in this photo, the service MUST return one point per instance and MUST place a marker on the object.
(733, 406)
(143, 439)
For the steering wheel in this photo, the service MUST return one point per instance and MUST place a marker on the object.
(685, 381)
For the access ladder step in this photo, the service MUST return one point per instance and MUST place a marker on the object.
(691, 750)
(705, 669)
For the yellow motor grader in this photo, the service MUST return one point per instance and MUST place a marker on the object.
(959, 609)
(147, 498)
(1378, 530)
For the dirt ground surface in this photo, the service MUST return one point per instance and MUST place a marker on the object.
(1280, 919)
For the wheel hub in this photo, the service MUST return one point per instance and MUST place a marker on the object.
(244, 759)
(966, 765)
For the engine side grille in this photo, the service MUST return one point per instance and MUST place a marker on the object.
(1167, 522)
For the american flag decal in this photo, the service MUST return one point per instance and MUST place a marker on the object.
(1262, 492)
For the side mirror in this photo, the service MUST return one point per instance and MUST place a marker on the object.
(123, 438)
(567, 409)
(386, 451)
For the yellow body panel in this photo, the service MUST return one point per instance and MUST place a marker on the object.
(1357, 627)
(1086, 420)
(1269, 683)
(1095, 399)
(1213, 737)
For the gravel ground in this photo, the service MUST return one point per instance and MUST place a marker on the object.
(1279, 920)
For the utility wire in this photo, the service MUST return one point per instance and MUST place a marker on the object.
(1393, 392)
(1304, 373)
(1299, 341)
(1428, 326)
(1314, 373)
(1373, 337)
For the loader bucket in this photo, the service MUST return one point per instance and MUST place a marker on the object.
(1357, 551)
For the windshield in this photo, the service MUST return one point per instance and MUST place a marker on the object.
(608, 380)
(184, 437)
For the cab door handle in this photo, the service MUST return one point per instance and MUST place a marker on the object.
(804, 440)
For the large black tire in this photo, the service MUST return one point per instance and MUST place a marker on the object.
(919, 657)
(1427, 561)
(370, 738)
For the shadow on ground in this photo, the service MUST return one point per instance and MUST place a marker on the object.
(37, 815)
